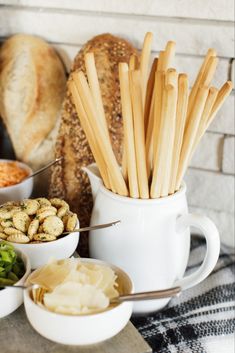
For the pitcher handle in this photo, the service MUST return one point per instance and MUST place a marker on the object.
(211, 235)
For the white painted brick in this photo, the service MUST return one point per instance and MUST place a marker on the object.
(192, 37)
(210, 9)
(209, 152)
(210, 190)
(232, 78)
(224, 221)
(229, 155)
(225, 120)
(67, 53)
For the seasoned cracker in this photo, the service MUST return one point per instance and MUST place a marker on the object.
(12, 231)
(21, 221)
(59, 203)
(5, 213)
(43, 201)
(30, 206)
(53, 225)
(47, 208)
(71, 222)
(18, 238)
(44, 215)
(33, 228)
(62, 211)
(6, 223)
(44, 237)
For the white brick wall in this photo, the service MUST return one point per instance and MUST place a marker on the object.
(228, 155)
(195, 26)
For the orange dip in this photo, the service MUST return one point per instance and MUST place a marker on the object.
(11, 173)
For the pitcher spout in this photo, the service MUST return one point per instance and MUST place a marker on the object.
(94, 178)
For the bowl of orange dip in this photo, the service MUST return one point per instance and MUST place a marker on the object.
(13, 185)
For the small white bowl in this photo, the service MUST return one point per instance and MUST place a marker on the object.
(81, 329)
(40, 253)
(11, 299)
(20, 191)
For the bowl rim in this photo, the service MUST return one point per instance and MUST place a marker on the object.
(23, 166)
(27, 264)
(89, 315)
(47, 243)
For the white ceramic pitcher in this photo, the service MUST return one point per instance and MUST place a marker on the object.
(152, 243)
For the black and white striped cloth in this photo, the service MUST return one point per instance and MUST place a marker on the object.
(202, 319)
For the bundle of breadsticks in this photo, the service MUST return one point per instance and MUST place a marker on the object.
(163, 121)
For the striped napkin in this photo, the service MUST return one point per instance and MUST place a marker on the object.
(202, 319)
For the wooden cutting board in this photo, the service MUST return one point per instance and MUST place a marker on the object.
(17, 336)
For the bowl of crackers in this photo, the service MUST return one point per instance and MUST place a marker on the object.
(41, 228)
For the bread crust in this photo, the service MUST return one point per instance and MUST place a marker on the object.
(32, 88)
(68, 181)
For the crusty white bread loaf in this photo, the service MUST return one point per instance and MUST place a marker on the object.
(32, 88)
(68, 181)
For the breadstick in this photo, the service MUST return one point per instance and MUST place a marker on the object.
(223, 93)
(190, 133)
(144, 63)
(213, 92)
(105, 146)
(124, 163)
(159, 160)
(138, 116)
(129, 142)
(198, 82)
(161, 61)
(152, 139)
(89, 133)
(169, 54)
(95, 89)
(159, 82)
(172, 77)
(169, 123)
(149, 93)
(209, 71)
(133, 62)
(181, 113)
(149, 135)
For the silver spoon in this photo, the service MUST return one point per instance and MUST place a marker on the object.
(157, 294)
(99, 226)
(43, 168)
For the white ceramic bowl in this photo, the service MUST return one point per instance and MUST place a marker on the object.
(39, 254)
(11, 299)
(19, 191)
(81, 329)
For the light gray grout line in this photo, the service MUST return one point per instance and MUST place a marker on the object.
(219, 133)
(209, 209)
(120, 15)
(211, 171)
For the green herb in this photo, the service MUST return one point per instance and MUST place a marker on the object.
(11, 266)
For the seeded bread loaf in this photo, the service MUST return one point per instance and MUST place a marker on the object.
(68, 181)
(32, 89)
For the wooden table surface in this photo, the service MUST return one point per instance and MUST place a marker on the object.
(18, 336)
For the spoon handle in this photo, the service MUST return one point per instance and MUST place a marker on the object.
(44, 168)
(157, 294)
(12, 286)
(99, 226)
